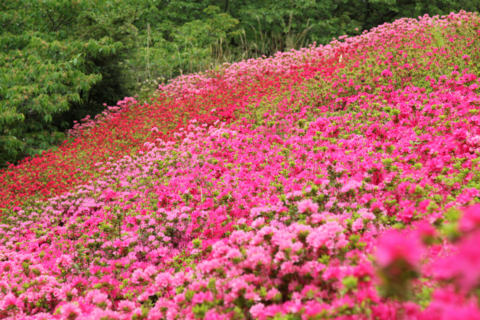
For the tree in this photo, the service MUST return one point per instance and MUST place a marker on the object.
(46, 65)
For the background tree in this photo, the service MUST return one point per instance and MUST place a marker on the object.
(55, 55)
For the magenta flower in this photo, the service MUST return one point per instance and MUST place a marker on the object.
(307, 204)
(386, 73)
(471, 217)
(10, 301)
(257, 310)
(463, 267)
(357, 224)
(70, 311)
(394, 246)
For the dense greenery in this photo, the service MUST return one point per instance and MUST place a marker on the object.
(61, 60)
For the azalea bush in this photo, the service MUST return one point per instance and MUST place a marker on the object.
(337, 181)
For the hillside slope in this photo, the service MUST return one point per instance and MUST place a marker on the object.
(339, 182)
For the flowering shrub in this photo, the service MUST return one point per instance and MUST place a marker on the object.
(335, 182)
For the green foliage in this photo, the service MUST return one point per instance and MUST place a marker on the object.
(172, 44)
(46, 65)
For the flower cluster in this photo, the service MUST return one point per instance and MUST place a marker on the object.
(291, 187)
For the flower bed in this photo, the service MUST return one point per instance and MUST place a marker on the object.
(336, 182)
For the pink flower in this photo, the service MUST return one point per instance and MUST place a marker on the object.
(98, 298)
(126, 306)
(425, 231)
(447, 304)
(200, 297)
(287, 267)
(366, 214)
(272, 293)
(464, 266)
(138, 276)
(357, 224)
(10, 301)
(341, 241)
(386, 73)
(64, 261)
(317, 238)
(234, 253)
(471, 217)
(163, 279)
(258, 222)
(394, 246)
(307, 204)
(257, 310)
(70, 311)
